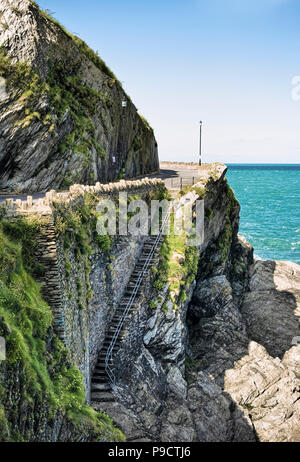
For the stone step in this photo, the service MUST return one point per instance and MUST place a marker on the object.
(100, 366)
(116, 319)
(110, 337)
(100, 386)
(99, 372)
(102, 397)
(101, 361)
(112, 328)
(132, 285)
(132, 290)
(122, 305)
(100, 369)
(99, 381)
(129, 291)
(117, 344)
(100, 375)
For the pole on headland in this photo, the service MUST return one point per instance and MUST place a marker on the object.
(200, 145)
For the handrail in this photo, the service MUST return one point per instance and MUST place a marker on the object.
(179, 182)
(109, 354)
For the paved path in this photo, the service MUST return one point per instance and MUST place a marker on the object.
(170, 172)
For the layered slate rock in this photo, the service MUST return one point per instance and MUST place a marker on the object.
(246, 374)
(226, 368)
(61, 116)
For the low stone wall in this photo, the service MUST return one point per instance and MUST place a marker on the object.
(81, 322)
(52, 289)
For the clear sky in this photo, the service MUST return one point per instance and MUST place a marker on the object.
(227, 62)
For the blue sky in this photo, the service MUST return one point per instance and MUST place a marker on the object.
(227, 62)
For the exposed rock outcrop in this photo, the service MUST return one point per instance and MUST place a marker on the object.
(61, 115)
(220, 363)
(234, 375)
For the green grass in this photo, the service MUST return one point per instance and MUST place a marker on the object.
(224, 241)
(24, 230)
(34, 353)
(17, 11)
(209, 213)
(201, 192)
(146, 123)
(178, 265)
(79, 227)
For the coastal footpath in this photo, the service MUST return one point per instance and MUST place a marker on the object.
(64, 116)
(209, 353)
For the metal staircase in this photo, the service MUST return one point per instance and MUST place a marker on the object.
(103, 376)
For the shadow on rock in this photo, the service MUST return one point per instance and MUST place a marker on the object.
(245, 361)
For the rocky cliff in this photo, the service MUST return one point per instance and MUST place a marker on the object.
(61, 115)
(211, 351)
(222, 362)
(60, 283)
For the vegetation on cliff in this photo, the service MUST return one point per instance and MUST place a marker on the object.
(66, 93)
(63, 107)
(225, 238)
(178, 264)
(37, 371)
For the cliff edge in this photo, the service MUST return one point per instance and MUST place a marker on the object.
(219, 361)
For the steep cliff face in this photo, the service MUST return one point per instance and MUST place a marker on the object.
(61, 115)
(41, 393)
(210, 351)
(223, 365)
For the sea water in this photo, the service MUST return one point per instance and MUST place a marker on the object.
(270, 208)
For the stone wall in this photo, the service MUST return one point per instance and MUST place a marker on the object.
(81, 321)
(52, 289)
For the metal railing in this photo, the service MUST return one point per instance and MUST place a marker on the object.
(180, 182)
(109, 355)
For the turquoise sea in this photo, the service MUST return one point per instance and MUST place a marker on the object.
(270, 208)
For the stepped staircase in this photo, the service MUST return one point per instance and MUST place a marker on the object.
(103, 376)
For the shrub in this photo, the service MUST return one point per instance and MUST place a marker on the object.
(209, 213)
(176, 272)
(200, 191)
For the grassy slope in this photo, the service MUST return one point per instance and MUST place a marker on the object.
(26, 324)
